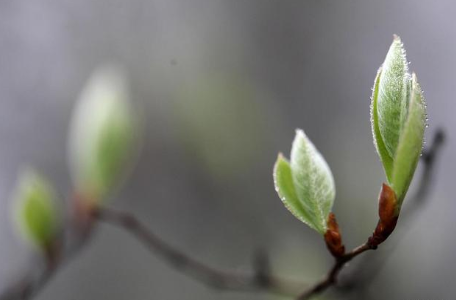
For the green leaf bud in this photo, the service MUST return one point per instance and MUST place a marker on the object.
(35, 209)
(305, 184)
(398, 117)
(102, 135)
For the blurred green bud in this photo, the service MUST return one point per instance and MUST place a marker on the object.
(102, 135)
(398, 116)
(35, 209)
(217, 112)
(305, 184)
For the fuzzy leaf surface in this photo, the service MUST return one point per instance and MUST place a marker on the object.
(306, 184)
(411, 142)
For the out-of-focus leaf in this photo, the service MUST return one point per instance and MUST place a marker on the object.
(221, 123)
(102, 134)
(34, 202)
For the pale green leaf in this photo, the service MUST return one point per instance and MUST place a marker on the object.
(102, 135)
(411, 141)
(386, 159)
(305, 185)
(392, 95)
(398, 119)
(284, 186)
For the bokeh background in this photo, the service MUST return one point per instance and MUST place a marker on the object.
(221, 86)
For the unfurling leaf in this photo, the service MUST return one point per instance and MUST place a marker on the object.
(35, 209)
(305, 184)
(398, 116)
(410, 144)
(102, 135)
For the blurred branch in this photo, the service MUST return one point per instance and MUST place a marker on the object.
(428, 157)
(260, 280)
(30, 286)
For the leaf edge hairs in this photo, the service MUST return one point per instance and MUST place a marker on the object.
(305, 184)
(398, 120)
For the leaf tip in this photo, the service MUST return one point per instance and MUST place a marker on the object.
(300, 133)
(103, 134)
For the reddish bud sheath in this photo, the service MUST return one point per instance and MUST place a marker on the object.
(388, 212)
(333, 238)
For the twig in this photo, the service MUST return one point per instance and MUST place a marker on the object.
(78, 232)
(260, 280)
(331, 277)
(428, 158)
(30, 286)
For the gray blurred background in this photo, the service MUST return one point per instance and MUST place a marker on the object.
(221, 87)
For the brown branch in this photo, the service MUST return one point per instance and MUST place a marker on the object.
(30, 286)
(78, 232)
(331, 277)
(260, 280)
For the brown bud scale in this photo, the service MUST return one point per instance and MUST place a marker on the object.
(333, 238)
(388, 212)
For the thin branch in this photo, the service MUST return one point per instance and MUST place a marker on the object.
(30, 286)
(331, 277)
(260, 280)
(79, 231)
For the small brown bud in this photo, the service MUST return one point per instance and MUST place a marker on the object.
(333, 238)
(388, 212)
